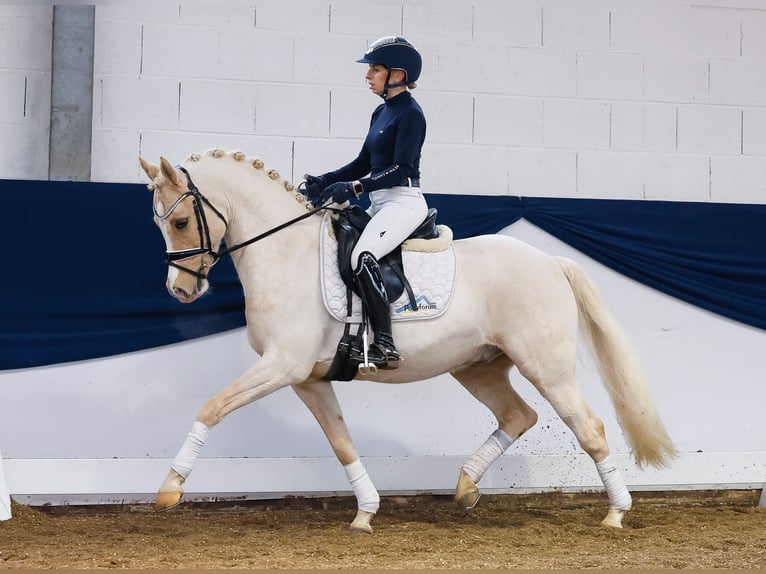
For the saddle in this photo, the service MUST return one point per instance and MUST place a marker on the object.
(348, 227)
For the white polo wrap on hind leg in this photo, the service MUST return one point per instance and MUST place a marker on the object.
(497, 443)
(618, 494)
(367, 496)
(187, 456)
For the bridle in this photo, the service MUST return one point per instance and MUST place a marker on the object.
(206, 244)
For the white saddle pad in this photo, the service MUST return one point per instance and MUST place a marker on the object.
(431, 276)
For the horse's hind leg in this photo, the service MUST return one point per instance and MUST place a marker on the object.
(559, 387)
(320, 399)
(489, 383)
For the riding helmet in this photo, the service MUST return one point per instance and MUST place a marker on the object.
(395, 53)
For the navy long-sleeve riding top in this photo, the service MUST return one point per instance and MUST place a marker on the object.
(391, 151)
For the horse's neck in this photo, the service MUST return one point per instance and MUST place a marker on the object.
(256, 205)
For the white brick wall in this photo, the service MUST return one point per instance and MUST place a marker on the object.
(25, 90)
(655, 100)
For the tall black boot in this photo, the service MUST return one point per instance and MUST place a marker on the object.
(369, 283)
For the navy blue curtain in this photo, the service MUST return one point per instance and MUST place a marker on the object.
(84, 265)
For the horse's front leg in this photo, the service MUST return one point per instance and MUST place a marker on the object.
(320, 399)
(266, 376)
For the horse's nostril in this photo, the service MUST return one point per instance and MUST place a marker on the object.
(180, 293)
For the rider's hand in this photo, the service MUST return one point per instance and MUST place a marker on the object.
(341, 191)
(314, 187)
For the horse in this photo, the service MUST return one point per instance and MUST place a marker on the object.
(512, 306)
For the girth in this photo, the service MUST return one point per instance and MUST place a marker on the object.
(348, 227)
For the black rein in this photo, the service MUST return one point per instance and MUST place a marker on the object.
(206, 247)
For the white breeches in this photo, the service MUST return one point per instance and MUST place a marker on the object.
(396, 212)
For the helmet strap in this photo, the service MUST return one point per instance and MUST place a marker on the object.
(388, 86)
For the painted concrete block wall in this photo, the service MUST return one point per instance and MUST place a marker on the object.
(25, 90)
(660, 100)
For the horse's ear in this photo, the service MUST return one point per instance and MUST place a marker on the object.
(169, 171)
(150, 169)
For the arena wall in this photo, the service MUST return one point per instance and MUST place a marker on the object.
(640, 100)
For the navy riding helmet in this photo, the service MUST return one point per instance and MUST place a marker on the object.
(394, 53)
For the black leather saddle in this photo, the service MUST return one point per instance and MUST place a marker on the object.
(348, 227)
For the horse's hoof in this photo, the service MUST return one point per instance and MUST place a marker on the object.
(467, 494)
(361, 524)
(170, 492)
(614, 518)
(166, 500)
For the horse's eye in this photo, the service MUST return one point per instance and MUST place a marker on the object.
(180, 223)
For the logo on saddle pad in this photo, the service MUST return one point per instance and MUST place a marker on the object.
(431, 275)
(423, 304)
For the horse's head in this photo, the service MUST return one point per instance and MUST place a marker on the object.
(192, 227)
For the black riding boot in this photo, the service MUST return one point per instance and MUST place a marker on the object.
(369, 283)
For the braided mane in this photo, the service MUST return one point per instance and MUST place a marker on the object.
(257, 164)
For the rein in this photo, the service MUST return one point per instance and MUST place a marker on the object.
(206, 246)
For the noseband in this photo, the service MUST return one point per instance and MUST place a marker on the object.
(206, 244)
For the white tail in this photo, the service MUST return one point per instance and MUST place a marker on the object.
(620, 371)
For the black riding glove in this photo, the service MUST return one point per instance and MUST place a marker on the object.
(314, 187)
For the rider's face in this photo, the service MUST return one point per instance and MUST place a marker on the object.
(376, 78)
(377, 75)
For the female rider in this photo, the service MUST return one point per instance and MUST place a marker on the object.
(388, 168)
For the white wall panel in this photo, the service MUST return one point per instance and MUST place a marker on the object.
(25, 39)
(501, 120)
(612, 175)
(293, 15)
(136, 102)
(576, 124)
(227, 107)
(469, 169)
(516, 23)
(682, 30)
(292, 111)
(709, 130)
(475, 68)
(452, 21)
(738, 179)
(738, 82)
(676, 177)
(180, 51)
(754, 131)
(542, 173)
(754, 35)
(669, 78)
(626, 130)
(329, 60)
(13, 95)
(115, 156)
(542, 72)
(576, 25)
(22, 152)
(143, 13)
(449, 115)
(609, 75)
(369, 19)
(660, 127)
(232, 14)
(117, 48)
(255, 55)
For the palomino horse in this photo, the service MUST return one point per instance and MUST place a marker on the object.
(512, 305)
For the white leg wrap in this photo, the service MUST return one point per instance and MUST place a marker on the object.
(618, 494)
(187, 456)
(497, 443)
(367, 497)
